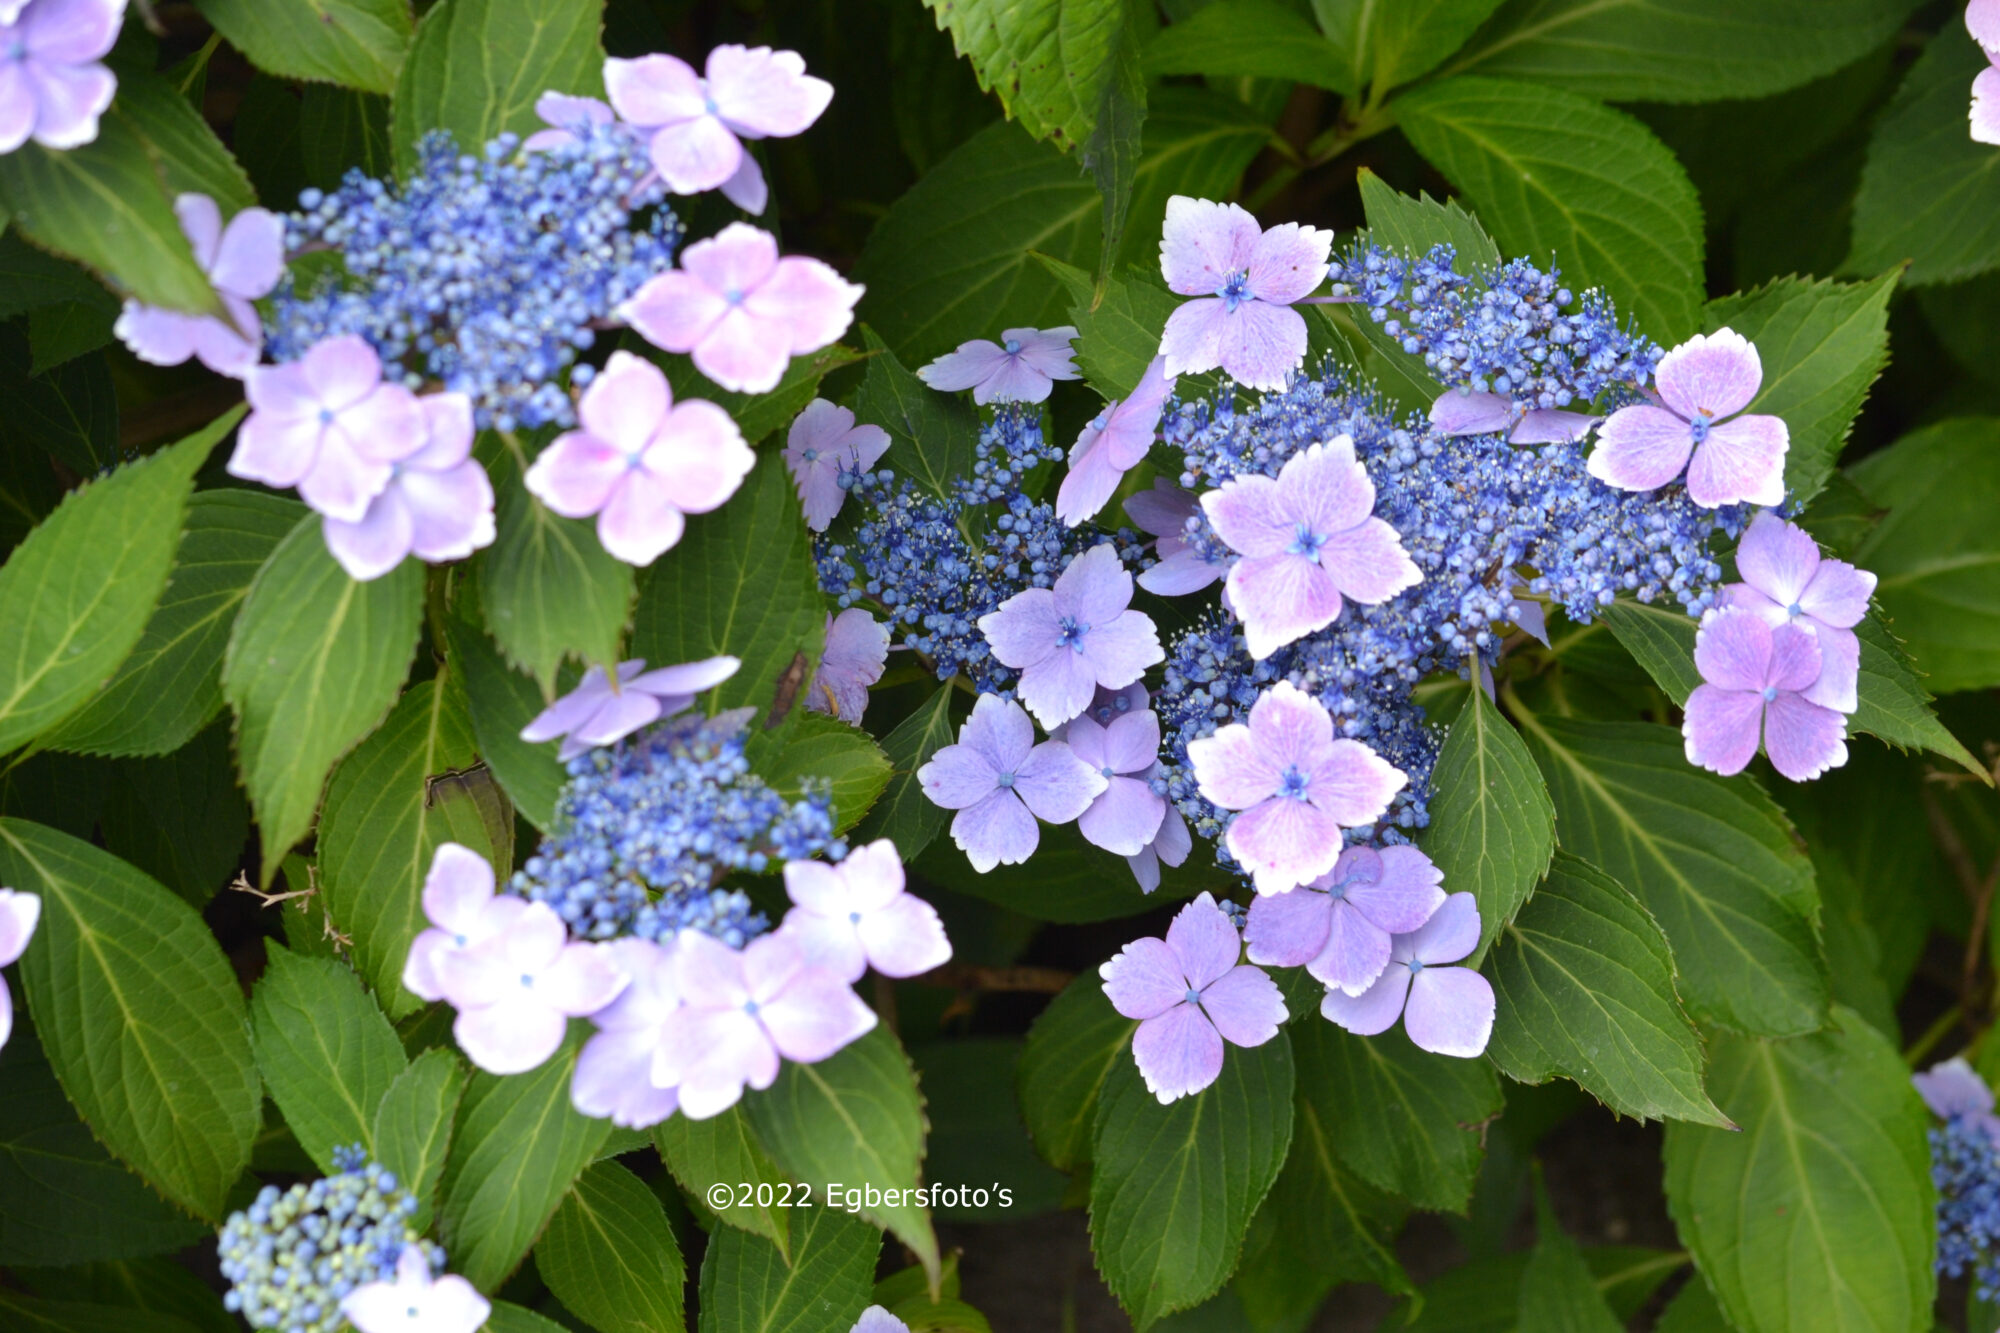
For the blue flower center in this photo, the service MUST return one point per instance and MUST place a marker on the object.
(1108, 771)
(750, 1007)
(527, 981)
(1013, 347)
(1005, 780)
(1071, 634)
(1294, 784)
(326, 416)
(1698, 427)
(459, 940)
(1305, 542)
(1416, 965)
(854, 918)
(17, 49)
(734, 296)
(810, 455)
(1235, 289)
(1794, 610)
(1770, 693)
(1193, 996)
(708, 105)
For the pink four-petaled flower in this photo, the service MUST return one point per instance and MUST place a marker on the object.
(1787, 581)
(52, 87)
(1445, 1010)
(1339, 926)
(855, 915)
(1754, 679)
(460, 904)
(243, 261)
(438, 503)
(517, 989)
(1020, 369)
(1703, 385)
(1248, 279)
(1115, 441)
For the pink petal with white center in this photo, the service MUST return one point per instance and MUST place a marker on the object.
(1355, 952)
(905, 938)
(1191, 344)
(971, 364)
(1732, 650)
(1288, 929)
(1178, 1053)
(69, 99)
(696, 155)
(1982, 20)
(1740, 461)
(674, 311)
(1232, 768)
(1984, 115)
(1375, 1010)
(1144, 979)
(814, 304)
(1838, 594)
(1461, 412)
(765, 93)
(1713, 375)
(1326, 488)
(1284, 843)
(995, 831)
(1368, 563)
(699, 458)
(1778, 558)
(1261, 345)
(1450, 1011)
(746, 188)
(624, 405)
(1125, 818)
(1839, 682)
(1245, 1005)
(640, 521)
(1204, 243)
(1795, 657)
(1252, 515)
(653, 90)
(1641, 448)
(377, 544)
(251, 257)
(1281, 599)
(1289, 261)
(1720, 728)
(70, 31)
(815, 1015)
(1405, 896)
(1055, 784)
(20, 912)
(1452, 933)
(1803, 739)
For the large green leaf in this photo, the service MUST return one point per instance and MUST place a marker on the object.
(1412, 226)
(25, 1314)
(830, 755)
(503, 701)
(549, 588)
(190, 156)
(722, 1152)
(314, 664)
(1492, 828)
(170, 686)
(140, 1015)
(477, 66)
(1929, 194)
(76, 594)
(1555, 174)
(1817, 1216)
(1402, 1119)
(1680, 50)
(1711, 858)
(1559, 1293)
(520, 1146)
(509, 1318)
(1937, 551)
(952, 259)
(610, 1256)
(358, 43)
(385, 818)
(414, 1122)
(852, 1119)
(1822, 345)
(903, 814)
(1484, 1295)
(1585, 984)
(1070, 1053)
(179, 817)
(328, 1055)
(741, 582)
(1050, 62)
(154, 1285)
(63, 1200)
(1173, 1188)
(1381, 46)
(931, 434)
(749, 1286)
(1259, 39)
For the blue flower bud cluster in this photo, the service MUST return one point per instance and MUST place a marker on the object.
(646, 830)
(291, 1257)
(1965, 1166)
(487, 274)
(1502, 331)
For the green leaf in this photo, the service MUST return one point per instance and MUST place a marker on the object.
(1413, 226)
(70, 413)
(190, 156)
(1937, 553)
(169, 687)
(748, 1286)
(723, 1151)
(63, 1200)
(1614, 48)
(1484, 1296)
(155, 1285)
(502, 702)
(1692, 1311)
(1660, 639)
(520, 1146)
(976, 1131)
(1492, 828)
(25, 1314)
(1585, 984)
(903, 814)
(1822, 345)
(1048, 61)
(477, 66)
(549, 588)
(179, 817)
(1556, 174)
(1118, 328)
(1711, 858)
(1818, 1215)
(1402, 1119)
(1383, 46)
(951, 260)
(1559, 1293)
(59, 334)
(339, 129)
(314, 663)
(1069, 1055)
(610, 1257)
(854, 1118)
(931, 434)
(741, 582)
(1111, 153)
(385, 818)
(75, 595)
(508, 1318)
(327, 1054)
(140, 1015)
(822, 749)
(1930, 196)
(1257, 39)
(357, 43)
(1174, 1187)
(31, 278)
(414, 1122)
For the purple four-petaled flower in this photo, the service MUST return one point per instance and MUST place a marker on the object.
(594, 713)
(822, 444)
(438, 503)
(1068, 640)
(999, 781)
(243, 261)
(1126, 816)
(857, 648)
(1114, 442)
(1754, 682)
(1445, 1010)
(52, 86)
(1695, 426)
(1248, 279)
(1787, 581)
(855, 914)
(1339, 926)
(1021, 368)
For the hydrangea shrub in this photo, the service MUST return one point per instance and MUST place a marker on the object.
(669, 660)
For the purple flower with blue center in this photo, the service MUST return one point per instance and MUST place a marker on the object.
(1191, 992)
(52, 86)
(1000, 781)
(857, 648)
(614, 1071)
(1754, 683)
(243, 261)
(1126, 816)
(1693, 425)
(1307, 539)
(1021, 368)
(598, 713)
(1339, 926)
(1786, 581)
(1248, 279)
(1068, 640)
(1446, 1010)
(823, 445)
(855, 914)
(1294, 786)
(1115, 441)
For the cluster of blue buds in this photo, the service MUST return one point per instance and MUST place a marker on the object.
(646, 830)
(1965, 1167)
(291, 1257)
(487, 274)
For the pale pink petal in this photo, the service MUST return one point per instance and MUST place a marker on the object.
(1720, 729)
(1232, 769)
(221, 345)
(710, 1056)
(1952, 1088)
(764, 92)
(1985, 112)
(873, 874)
(251, 257)
(1125, 818)
(1281, 599)
(1145, 868)
(20, 912)
(1132, 741)
(831, 942)
(1192, 340)
(1982, 20)
(709, 971)
(1641, 448)
(1838, 594)
(1144, 979)
(386, 426)
(584, 978)
(17, 106)
(1250, 514)
(1713, 375)
(1368, 563)
(1462, 412)
(613, 1081)
(1795, 657)
(509, 1037)
(1375, 1010)
(996, 830)
(815, 1015)
(1838, 683)
(972, 364)
(1355, 952)
(1289, 261)
(1450, 1011)
(1354, 784)
(341, 371)
(1803, 739)
(377, 543)
(1024, 630)
(1179, 574)
(275, 450)
(1092, 479)
(1326, 488)
(1288, 929)
(624, 405)
(640, 521)
(1058, 688)
(1741, 461)
(674, 311)
(201, 222)
(451, 512)
(999, 731)
(699, 458)
(1245, 1005)
(1055, 784)
(696, 155)
(743, 352)
(1284, 843)
(159, 337)
(6, 1012)
(568, 112)
(814, 304)
(1778, 558)
(341, 481)
(746, 188)
(1732, 650)
(1261, 344)
(1204, 941)
(904, 938)
(1405, 896)
(1094, 589)
(1204, 243)
(69, 32)
(1452, 933)
(1178, 1053)
(652, 90)
(69, 99)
